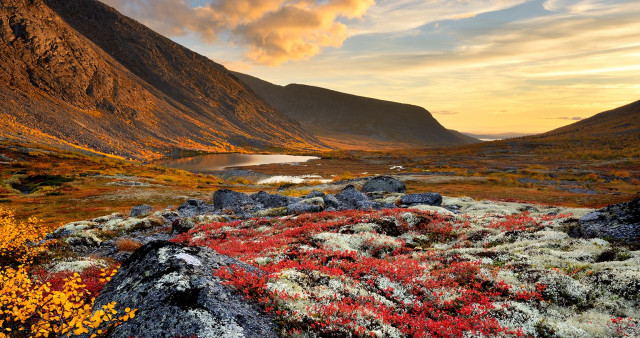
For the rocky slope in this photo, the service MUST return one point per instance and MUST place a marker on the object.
(353, 122)
(79, 74)
(379, 263)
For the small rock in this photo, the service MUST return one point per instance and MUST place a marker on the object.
(428, 198)
(140, 210)
(384, 183)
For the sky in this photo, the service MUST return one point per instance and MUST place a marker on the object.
(480, 66)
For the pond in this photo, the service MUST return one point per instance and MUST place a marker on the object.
(214, 162)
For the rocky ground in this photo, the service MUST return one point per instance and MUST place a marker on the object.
(372, 261)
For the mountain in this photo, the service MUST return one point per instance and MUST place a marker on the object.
(500, 136)
(355, 122)
(621, 122)
(78, 74)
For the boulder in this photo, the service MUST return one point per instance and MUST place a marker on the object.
(315, 193)
(427, 198)
(315, 204)
(140, 210)
(619, 222)
(384, 183)
(269, 200)
(194, 207)
(330, 201)
(177, 295)
(350, 197)
(229, 199)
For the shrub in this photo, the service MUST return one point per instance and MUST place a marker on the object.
(19, 240)
(35, 308)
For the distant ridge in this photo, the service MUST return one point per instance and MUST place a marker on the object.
(350, 121)
(619, 122)
(78, 74)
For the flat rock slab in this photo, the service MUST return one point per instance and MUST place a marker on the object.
(177, 295)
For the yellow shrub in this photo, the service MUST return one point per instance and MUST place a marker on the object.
(17, 239)
(32, 308)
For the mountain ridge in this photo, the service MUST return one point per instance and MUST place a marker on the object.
(80, 75)
(341, 118)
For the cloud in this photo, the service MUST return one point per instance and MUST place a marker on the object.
(405, 15)
(575, 118)
(272, 31)
(445, 112)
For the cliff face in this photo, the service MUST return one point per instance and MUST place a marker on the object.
(76, 73)
(347, 119)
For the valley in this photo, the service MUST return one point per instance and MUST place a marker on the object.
(148, 191)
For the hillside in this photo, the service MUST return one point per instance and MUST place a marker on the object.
(80, 75)
(620, 122)
(355, 122)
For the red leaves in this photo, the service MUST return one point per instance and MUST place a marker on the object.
(416, 292)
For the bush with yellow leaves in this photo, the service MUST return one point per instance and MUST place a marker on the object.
(18, 240)
(31, 308)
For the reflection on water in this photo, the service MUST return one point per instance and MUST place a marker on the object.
(221, 161)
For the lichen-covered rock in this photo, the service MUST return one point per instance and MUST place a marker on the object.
(133, 223)
(140, 210)
(73, 227)
(427, 198)
(272, 212)
(619, 221)
(181, 225)
(177, 295)
(384, 183)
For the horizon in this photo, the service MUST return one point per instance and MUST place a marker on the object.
(489, 66)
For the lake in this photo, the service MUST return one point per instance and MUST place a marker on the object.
(214, 162)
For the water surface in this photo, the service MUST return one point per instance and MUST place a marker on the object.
(214, 162)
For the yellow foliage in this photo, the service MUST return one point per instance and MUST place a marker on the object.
(17, 239)
(34, 309)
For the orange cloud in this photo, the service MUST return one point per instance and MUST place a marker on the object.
(274, 31)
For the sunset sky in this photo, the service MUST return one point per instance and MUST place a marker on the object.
(484, 66)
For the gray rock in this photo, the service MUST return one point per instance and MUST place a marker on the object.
(350, 196)
(619, 222)
(427, 198)
(330, 201)
(229, 199)
(177, 295)
(316, 193)
(315, 204)
(140, 210)
(270, 201)
(384, 183)
(194, 207)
